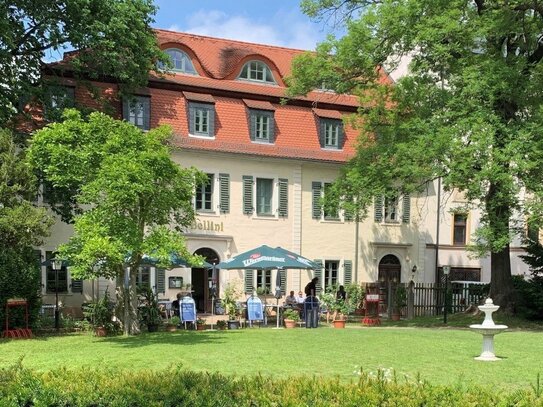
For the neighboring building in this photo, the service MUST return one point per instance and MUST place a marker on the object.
(268, 165)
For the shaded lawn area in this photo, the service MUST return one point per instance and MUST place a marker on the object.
(440, 356)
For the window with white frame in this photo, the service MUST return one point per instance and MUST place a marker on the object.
(137, 110)
(256, 71)
(180, 61)
(331, 268)
(143, 278)
(262, 126)
(331, 133)
(265, 196)
(392, 209)
(203, 200)
(264, 281)
(202, 119)
(175, 282)
(324, 205)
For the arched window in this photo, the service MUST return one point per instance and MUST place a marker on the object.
(180, 61)
(256, 71)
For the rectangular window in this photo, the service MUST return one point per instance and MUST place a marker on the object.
(261, 125)
(137, 110)
(204, 195)
(263, 281)
(264, 196)
(331, 133)
(58, 98)
(175, 282)
(330, 273)
(144, 277)
(459, 231)
(202, 119)
(391, 209)
(55, 279)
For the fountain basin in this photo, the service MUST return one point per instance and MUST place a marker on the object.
(488, 330)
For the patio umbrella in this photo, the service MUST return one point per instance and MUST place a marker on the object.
(265, 258)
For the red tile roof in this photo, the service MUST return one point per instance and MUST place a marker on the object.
(258, 104)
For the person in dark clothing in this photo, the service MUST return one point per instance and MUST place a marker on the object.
(176, 305)
(341, 294)
(311, 287)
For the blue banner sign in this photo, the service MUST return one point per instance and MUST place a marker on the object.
(188, 309)
(254, 309)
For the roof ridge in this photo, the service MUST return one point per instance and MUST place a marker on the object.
(236, 41)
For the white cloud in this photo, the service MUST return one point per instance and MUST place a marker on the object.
(283, 29)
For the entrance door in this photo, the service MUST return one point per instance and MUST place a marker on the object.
(389, 274)
(202, 280)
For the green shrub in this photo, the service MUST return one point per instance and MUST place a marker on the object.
(176, 386)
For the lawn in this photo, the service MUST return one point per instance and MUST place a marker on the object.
(438, 355)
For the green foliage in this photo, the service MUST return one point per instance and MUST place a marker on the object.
(175, 320)
(177, 386)
(291, 314)
(400, 297)
(529, 295)
(231, 295)
(100, 313)
(468, 110)
(20, 277)
(148, 309)
(113, 38)
(355, 294)
(534, 256)
(122, 189)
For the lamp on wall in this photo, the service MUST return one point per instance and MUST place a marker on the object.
(413, 272)
(56, 265)
(446, 272)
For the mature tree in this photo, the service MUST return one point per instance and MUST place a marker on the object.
(128, 196)
(468, 111)
(113, 38)
(22, 225)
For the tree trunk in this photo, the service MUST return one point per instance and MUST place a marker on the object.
(501, 284)
(127, 303)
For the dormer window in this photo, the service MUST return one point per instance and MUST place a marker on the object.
(180, 61)
(256, 71)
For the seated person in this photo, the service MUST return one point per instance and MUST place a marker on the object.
(300, 298)
(291, 299)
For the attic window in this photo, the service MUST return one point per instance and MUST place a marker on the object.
(256, 71)
(180, 61)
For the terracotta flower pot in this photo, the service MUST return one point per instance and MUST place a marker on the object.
(290, 323)
(100, 331)
(339, 323)
(200, 327)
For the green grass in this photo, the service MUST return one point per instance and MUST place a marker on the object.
(440, 356)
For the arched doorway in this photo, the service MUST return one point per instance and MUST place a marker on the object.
(202, 280)
(390, 269)
(389, 274)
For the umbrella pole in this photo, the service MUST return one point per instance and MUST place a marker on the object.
(277, 308)
(212, 311)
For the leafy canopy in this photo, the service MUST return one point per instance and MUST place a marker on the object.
(113, 38)
(127, 196)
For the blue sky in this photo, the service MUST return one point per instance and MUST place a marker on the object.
(276, 22)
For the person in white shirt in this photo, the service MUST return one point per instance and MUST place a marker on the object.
(300, 298)
(291, 299)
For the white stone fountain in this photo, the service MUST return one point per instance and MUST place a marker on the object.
(488, 329)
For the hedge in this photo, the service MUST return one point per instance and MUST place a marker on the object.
(178, 386)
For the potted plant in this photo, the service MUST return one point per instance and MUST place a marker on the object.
(149, 310)
(100, 315)
(355, 296)
(200, 324)
(399, 302)
(342, 308)
(173, 323)
(221, 324)
(290, 317)
(230, 305)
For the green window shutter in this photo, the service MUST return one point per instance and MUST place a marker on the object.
(406, 210)
(341, 136)
(318, 274)
(126, 108)
(211, 121)
(283, 197)
(378, 208)
(248, 194)
(248, 286)
(146, 101)
(283, 280)
(160, 275)
(252, 125)
(224, 193)
(77, 286)
(272, 127)
(347, 272)
(192, 119)
(321, 132)
(316, 188)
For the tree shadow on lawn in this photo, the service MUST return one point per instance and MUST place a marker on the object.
(184, 338)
